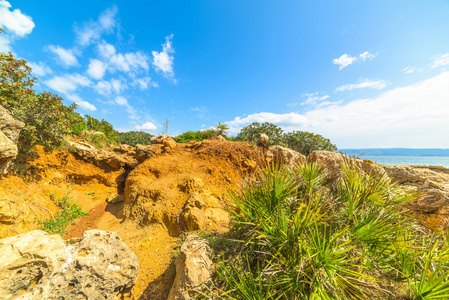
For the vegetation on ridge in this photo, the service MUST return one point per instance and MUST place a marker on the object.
(311, 234)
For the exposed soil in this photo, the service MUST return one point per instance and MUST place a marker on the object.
(163, 198)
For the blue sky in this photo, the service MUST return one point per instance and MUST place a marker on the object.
(362, 73)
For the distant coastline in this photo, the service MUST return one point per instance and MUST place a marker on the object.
(437, 152)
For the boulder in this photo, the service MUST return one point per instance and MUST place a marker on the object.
(145, 152)
(262, 140)
(193, 268)
(279, 154)
(9, 134)
(159, 139)
(36, 265)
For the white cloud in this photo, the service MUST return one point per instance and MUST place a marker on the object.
(80, 102)
(15, 21)
(108, 87)
(366, 55)
(366, 83)
(163, 61)
(293, 104)
(146, 126)
(91, 31)
(64, 57)
(40, 69)
(312, 98)
(121, 101)
(344, 61)
(408, 70)
(97, 69)
(144, 83)
(124, 62)
(442, 60)
(67, 83)
(411, 116)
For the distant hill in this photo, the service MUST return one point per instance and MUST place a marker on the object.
(397, 152)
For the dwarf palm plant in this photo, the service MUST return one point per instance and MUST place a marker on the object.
(307, 237)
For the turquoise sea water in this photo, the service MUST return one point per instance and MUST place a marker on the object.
(409, 160)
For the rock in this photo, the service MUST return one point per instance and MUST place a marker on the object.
(220, 138)
(82, 149)
(124, 148)
(36, 265)
(10, 126)
(170, 143)
(145, 152)
(159, 139)
(279, 154)
(193, 268)
(262, 140)
(9, 134)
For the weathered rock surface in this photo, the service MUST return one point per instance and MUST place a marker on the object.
(262, 140)
(193, 268)
(36, 265)
(432, 207)
(279, 154)
(9, 134)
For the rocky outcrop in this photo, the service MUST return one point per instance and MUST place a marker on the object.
(9, 134)
(114, 160)
(278, 154)
(193, 268)
(36, 265)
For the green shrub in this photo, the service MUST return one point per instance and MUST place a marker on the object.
(305, 234)
(47, 119)
(306, 142)
(58, 224)
(112, 135)
(251, 132)
(195, 135)
(133, 138)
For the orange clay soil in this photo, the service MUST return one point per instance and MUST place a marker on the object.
(164, 196)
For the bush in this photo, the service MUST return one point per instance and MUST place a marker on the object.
(112, 136)
(133, 138)
(250, 133)
(195, 135)
(47, 119)
(58, 224)
(306, 142)
(305, 235)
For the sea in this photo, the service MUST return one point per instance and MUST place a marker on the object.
(408, 160)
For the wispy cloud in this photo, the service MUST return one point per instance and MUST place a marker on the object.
(67, 83)
(346, 59)
(366, 83)
(409, 70)
(410, 116)
(441, 60)
(113, 86)
(163, 61)
(91, 31)
(313, 98)
(124, 62)
(65, 57)
(80, 102)
(40, 69)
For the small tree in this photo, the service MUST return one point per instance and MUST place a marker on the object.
(222, 128)
(251, 132)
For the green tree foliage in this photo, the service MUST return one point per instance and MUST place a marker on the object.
(250, 133)
(133, 138)
(306, 142)
(195, 135)
(222, 128)
(47, 119)
(112, 135)
(305, 234)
